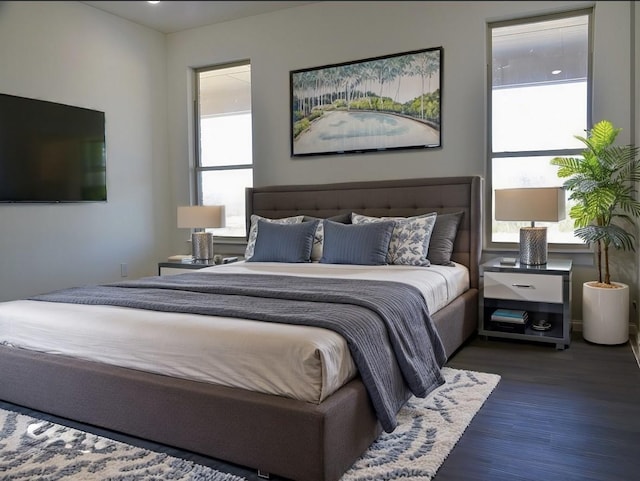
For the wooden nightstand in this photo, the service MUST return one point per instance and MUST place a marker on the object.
(170, 268)
(544, 292)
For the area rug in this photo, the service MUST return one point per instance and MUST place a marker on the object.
(428, 429)
(37, 450)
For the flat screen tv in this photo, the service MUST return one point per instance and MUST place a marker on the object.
(51, 152)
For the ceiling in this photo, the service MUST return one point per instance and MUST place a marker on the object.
(174, 16)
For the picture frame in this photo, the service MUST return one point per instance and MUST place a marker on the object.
(383, 103)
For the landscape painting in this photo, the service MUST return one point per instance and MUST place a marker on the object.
(377, 104)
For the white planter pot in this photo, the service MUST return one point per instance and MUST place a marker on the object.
(605, 314)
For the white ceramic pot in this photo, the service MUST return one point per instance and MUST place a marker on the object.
(605, 314)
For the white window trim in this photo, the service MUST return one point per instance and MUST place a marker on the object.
(488, 244)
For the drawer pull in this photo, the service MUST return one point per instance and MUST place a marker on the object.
(525, 286)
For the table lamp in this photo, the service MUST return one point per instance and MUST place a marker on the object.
(542, 204)
(201, 217)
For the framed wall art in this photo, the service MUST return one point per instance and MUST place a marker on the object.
(377, 104)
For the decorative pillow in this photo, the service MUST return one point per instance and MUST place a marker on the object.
(253, 230)
(443, 237)
(316, 252)
(364, 244)
(410, 239)
(284, 242)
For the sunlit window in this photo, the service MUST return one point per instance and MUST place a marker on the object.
(539, 99)
(224, 158)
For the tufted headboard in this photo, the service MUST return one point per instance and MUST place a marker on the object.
(406, 197)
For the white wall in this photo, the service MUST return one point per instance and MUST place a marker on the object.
(74, 54)
(333, 32)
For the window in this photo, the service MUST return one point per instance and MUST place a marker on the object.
(224, 160)
(539, 99)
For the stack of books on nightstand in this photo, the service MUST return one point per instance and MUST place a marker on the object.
(510, 320)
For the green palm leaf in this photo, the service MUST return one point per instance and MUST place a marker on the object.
(601, 183)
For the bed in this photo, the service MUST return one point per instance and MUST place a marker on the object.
(288, 437)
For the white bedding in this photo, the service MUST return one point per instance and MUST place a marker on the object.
(305, 363)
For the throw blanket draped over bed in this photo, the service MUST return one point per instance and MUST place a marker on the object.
(387, 326)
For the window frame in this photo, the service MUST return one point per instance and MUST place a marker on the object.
(489, 244)
(198, 169)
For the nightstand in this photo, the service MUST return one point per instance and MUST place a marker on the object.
(170, 268)
(543, 292)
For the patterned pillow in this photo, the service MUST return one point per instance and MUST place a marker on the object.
(410, 238)
(253, 231)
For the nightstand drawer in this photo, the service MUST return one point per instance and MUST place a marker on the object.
(523, 287)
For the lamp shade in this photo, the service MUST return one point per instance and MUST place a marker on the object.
(542, 204)
(200, 216)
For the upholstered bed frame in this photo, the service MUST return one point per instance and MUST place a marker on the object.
(289, 438)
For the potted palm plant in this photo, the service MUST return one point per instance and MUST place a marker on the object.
(601, 183)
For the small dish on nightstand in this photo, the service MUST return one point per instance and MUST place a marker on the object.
(541, 325)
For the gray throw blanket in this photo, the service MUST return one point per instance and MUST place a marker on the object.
(386, 324)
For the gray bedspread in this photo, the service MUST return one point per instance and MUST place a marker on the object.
(387, 326)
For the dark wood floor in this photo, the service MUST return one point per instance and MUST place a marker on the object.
(555, 415)
(571, 415)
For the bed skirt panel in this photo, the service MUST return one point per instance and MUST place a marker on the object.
(250, 429)
(457, 321)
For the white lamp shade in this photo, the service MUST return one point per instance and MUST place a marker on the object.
(543, 204)
(200, 216)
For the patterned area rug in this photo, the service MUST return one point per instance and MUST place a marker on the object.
(36, 450)
(33, 449)
(427, 431)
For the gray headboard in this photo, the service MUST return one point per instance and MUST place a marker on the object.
(404, 197)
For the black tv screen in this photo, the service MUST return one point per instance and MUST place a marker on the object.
(50, 152)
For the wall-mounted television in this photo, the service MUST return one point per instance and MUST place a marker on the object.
(51, 152)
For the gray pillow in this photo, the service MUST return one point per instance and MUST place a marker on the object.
(443, 238)
(342, 218)
(253, 230)
(364, 244)
(284, 242)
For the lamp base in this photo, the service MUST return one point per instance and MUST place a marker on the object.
(202, 246)
(533, 246)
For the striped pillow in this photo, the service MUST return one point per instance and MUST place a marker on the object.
(284, 242)
(253, 231)
(364, 244)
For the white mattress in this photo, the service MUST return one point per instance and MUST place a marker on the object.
(305, 363)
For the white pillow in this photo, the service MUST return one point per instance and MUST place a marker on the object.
(409, 243)
(253, 231)
(318, 240)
